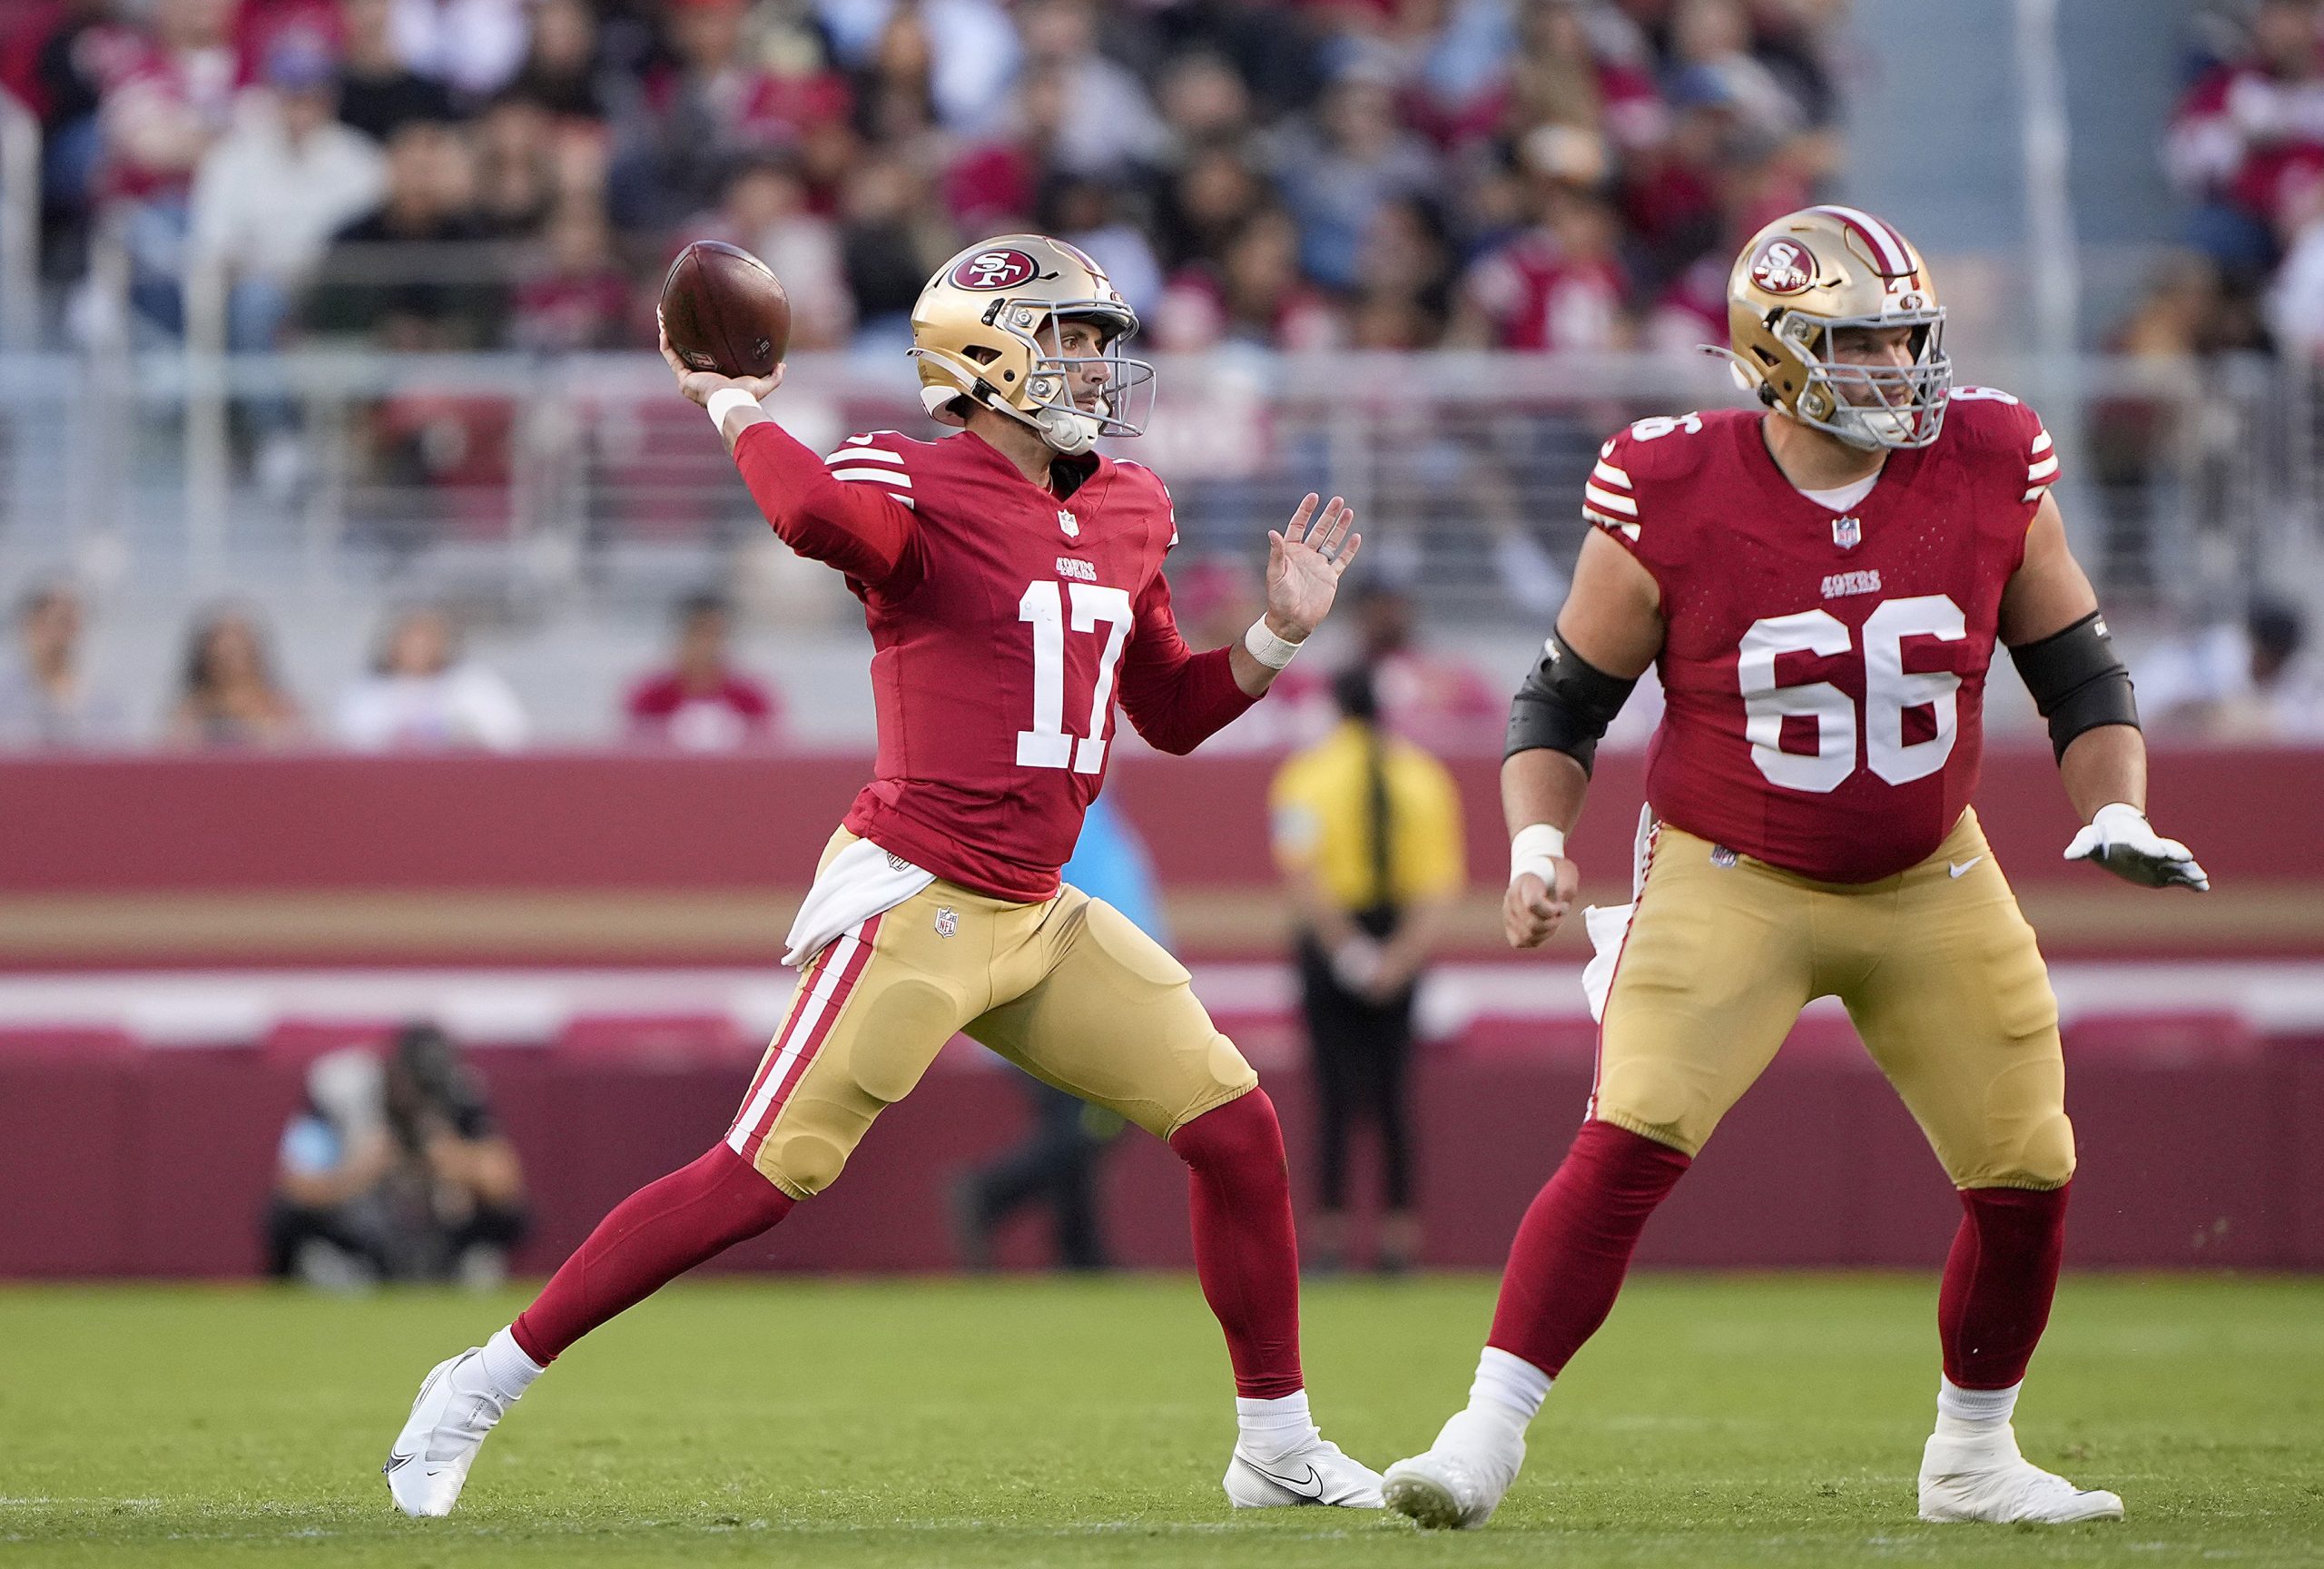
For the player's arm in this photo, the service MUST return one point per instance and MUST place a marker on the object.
(2056, 638)
(858, 528)
(1178, 698)
(1608, 632)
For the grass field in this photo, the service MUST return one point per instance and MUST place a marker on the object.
(1717, 1420)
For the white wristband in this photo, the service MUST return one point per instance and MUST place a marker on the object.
(1536, 849)
(725, 401)
(1268, 649)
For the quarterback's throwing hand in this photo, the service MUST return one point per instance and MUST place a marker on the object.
(1306, 560)
(1532, 909)
(2119, 839)
(699, 385)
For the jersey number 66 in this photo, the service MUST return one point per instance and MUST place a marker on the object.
(1889, 689)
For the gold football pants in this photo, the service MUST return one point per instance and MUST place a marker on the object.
(1936, 966)
(1068, 989)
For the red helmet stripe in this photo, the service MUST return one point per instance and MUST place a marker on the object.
(1892, 255)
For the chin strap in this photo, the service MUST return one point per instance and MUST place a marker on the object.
(1071, 434)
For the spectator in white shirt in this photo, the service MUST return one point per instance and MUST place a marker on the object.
(1110, 125)
(270, 194)
(474, 46)
(421, 695)
(48, 700)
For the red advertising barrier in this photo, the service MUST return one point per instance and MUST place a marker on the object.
(2202, 1145)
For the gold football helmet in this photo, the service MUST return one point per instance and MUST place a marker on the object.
(985, 329)
(1809, 274)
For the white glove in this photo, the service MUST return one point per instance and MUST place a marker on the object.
(2119, 839)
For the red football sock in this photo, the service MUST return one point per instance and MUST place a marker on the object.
(1998, 1282)
(652, 1237)
(1246, 1251)
(1574, 1245)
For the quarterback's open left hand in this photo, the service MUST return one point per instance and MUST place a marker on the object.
(1304, 562)
(2119, 839)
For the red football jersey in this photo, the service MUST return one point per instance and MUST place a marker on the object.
(1008, 626)
(1824, 671)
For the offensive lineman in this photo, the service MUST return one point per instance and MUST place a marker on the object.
(1012, 580)
(1820, 586)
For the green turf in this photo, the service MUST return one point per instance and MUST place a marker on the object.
(1717, 1420)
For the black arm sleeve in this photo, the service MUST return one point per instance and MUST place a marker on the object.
(2077, 680)
(1565, 706)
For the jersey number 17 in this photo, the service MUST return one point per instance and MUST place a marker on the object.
(1046, 745)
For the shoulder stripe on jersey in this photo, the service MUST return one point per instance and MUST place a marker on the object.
(1887, 245)
(880, 476)
(1616, 524)
(2041, 442)
(2045, 470)
(863, 454)
(1607, 474)
(1608, 500)
(2035, 494)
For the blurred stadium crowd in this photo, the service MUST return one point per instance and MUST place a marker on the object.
(1546, 177)
(2253, 680)
(421, 692)
(1544, 174)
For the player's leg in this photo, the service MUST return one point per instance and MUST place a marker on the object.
(1958, 1014)
(1115, 1021)
(1717, 965)
(870, 1014)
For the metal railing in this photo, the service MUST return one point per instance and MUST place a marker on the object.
(20, 156)
(548, 481)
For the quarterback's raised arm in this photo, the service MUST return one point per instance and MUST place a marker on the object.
(860, 530)
(2057, 638)
(1606, 635)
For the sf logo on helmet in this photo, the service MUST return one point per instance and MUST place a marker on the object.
(1783, 267)
(995, 269)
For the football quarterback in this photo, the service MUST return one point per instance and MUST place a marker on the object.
(1820, 583)
(1011, 577)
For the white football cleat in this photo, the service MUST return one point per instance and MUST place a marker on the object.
(1460, 1482)
(1987, 1479)
(454, 1408)
(1317, 1472)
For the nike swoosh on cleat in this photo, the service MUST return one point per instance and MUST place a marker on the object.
(1962, 869)
(1308, 1486)
(397, 1462)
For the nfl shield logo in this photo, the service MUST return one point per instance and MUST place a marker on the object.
(1722, 856)
(947, 922)
(1069, 523)
(1847, 533)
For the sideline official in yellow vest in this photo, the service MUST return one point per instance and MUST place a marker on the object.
(1367, 835)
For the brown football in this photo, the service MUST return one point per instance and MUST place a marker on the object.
(725, 311)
